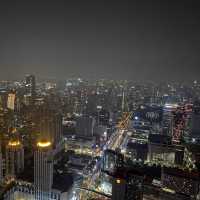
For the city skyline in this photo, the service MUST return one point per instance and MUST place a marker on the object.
(99, 100)
(103, 139)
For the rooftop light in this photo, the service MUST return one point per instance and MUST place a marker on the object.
(43, 144)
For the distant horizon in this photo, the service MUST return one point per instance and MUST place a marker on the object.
(57, 79)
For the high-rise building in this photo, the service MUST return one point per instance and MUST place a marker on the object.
(167, 122)
(14, 158)
(162, 151)
(127, 183)
(136, 150)
(134, 187)
(30, 86)
(179, 122)
(102, 117)
(49, 124)
(85, 126)
(111, 162)
(118, 189)
(194, 133)
(127, 187)
(43, 169)
(181, 181)
(11, 101)
(3, 99)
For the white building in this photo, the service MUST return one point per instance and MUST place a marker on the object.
(43, 168)
(29, 192)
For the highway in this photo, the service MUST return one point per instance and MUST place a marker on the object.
(120, 133)
(114, 142)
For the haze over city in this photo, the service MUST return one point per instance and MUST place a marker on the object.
(135, 40)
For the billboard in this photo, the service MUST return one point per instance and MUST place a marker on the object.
(149, 113)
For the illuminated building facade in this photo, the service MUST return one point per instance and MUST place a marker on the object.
(181, 182)
(193, 134)
(27, 191)
(165, 155)
(153, 114)
(118, 189)
(43, 168)
(11, 101)
(79, 145)
(192, 156)
(49, 124)
(161, 151)
(102, 116)
(127, 187)
(167, 123)
(30, 85)
(111, 162)
(136, 150)
(179, 118)
(27, 100)
(14, 158)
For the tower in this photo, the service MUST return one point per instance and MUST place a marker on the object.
(49, 124)
(118, 189)
(123, 101)
(30, 86)
(14, 158)
(11, 101)
(127, 185)
(43, 169)
(124, 105)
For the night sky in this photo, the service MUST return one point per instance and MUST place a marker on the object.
(137, 40)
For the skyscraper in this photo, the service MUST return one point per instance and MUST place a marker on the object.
(43, 169)
(11, 101)
(127, 186)
(14, 158)
(85, 126)
(111, 162)
(30, 86)
(49, 124)
(194, 133)
(118, 189)
(3, 99)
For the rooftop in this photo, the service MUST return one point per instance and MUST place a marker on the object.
(14, 143)
(44, 144)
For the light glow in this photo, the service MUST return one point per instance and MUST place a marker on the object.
(43, 144)
(118, 181)
(14, 143)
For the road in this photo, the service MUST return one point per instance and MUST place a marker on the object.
(120, 133)
(114, 142)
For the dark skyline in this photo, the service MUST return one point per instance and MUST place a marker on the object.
(137, 40)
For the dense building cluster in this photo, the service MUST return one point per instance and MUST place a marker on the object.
(104, 139)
